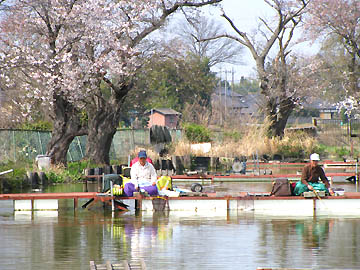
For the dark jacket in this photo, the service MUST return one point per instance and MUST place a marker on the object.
(312, 174)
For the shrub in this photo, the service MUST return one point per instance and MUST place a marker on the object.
(232, 135)
(15, 179)
(38, 125)
(73, 172)
(197, 133)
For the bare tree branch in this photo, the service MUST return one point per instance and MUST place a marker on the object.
(216, 51)
(274, 76)
(165, 13)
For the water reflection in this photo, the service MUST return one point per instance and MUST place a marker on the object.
(315, 233)
(170, 240)
(68, 239)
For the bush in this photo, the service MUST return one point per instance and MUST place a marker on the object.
(38, 125)
(15, 179)
(197, 133)
(73, 172)
(232, 135)
(340, 152)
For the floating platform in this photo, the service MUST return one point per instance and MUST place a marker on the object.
(49, 201)
(202, 178)
(262, 203)
(204, 203)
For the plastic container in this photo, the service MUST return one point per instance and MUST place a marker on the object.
(339, 192)
(43, 162)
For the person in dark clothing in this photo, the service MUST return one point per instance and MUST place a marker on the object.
(310, 177)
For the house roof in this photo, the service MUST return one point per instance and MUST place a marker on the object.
(164, 111)
(230, 98)
(320, 104)
(228, 92)
(253, 103)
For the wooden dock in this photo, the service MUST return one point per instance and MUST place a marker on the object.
(124, 265)
(205, 203)
(246, 178)
(48, 201)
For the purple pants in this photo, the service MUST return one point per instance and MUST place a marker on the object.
(129, 189)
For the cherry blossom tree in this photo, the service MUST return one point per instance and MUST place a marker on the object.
(79, 58)
(36, 37)
(340, 20)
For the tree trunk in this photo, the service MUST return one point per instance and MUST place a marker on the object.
(67, 125)
(353, 69)
(101, 130)
(278, 113)
(103, 119)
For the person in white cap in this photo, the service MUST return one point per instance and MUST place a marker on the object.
(311, 174)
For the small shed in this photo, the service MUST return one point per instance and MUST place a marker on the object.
(329, 113)
(163, 117)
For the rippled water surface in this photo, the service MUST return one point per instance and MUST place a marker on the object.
(68, 239)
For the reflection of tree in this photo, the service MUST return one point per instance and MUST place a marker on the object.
(70, 236)
(282, 237)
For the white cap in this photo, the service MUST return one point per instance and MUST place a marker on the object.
(315, 157)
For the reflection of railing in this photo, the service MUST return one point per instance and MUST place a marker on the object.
(139, 264)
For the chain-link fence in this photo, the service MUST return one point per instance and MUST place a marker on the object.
(27, 144)
(22, 144)
(336, 132)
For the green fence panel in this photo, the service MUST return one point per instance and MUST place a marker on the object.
(27, 144)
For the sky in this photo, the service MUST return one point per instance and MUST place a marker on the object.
(245, 14)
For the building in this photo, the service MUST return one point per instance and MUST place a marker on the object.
(230, 102)
(236, 105)
(326, 109)
(163, 117)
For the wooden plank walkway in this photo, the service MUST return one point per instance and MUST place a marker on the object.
(47, 196)
(248, 178)
(124, 265)
(93, 196)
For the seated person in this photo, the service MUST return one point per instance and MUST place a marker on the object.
(310, 178)
(143, 177)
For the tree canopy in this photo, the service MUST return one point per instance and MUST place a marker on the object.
(63, 50)
(338, 22)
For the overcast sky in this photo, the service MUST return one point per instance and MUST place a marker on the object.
(245, 14)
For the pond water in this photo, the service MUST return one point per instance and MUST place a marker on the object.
(68, 239)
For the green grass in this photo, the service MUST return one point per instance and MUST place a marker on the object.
(339, 152)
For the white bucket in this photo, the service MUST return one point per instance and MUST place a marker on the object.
(339, 192)
(43, 162)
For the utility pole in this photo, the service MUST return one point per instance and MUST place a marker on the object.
(220, 103)
(225, 88)
(232, 90)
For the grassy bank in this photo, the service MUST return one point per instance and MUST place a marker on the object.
(18, 179)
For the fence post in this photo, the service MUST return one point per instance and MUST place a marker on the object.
(79, 144)
(13, 135)
(41, 146)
